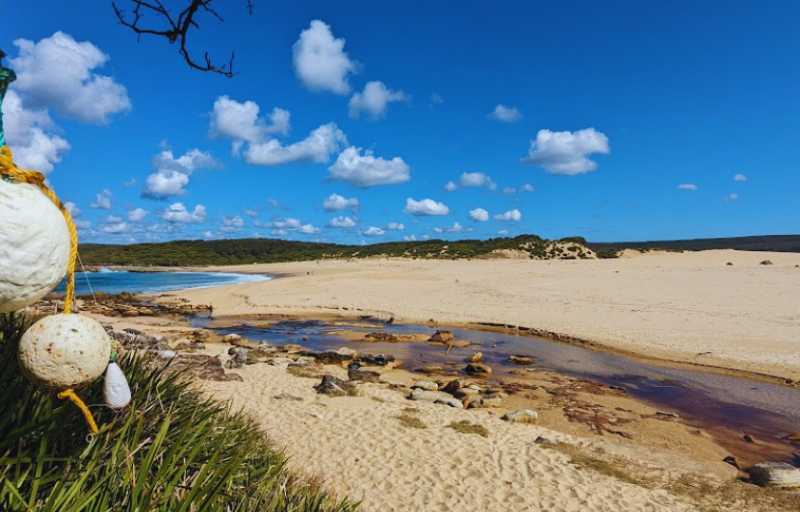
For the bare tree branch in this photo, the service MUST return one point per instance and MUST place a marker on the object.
(175, 29)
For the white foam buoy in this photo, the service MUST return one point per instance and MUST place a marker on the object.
(64, 351)
(117, 391)
(34, 245)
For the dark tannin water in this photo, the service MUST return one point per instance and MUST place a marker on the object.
(725, 406)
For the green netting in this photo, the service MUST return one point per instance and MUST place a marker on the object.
(6, 77)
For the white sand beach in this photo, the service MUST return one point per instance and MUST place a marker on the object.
(688, 306)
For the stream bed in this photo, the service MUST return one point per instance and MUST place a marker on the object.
(725, 406)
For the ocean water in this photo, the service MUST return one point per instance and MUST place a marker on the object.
(117, 281)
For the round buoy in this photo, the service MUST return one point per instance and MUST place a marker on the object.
(34, 245)
(64, 351)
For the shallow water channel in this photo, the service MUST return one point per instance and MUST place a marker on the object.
(725, 406)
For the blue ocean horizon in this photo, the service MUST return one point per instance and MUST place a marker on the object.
(118, 281)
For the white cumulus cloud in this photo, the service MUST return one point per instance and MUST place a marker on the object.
(567, 152)
(337, 203)
(375, 100)
(241, 121)
(59, 72)
(317, 148)
(740, 177)
(137, 214)
(503, 232)
(30, 135)
(231, 224)
(177, 213)
(320, 61)
(425, 207)
(342, 222)
(476, 179)
(172, 174)
(479, 214)
(687, 186)
(102, 201)
(395, 226)
(450, 186)
(364, 171)
(308, 229)
(511, 215)
(506, 114)
(410, 238)
(373, 231)
(114, 228)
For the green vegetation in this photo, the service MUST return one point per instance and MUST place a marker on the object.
(411, 421)
(184, 253)
(169, 450)
(772, 243)
(465, 427)
(257, 250)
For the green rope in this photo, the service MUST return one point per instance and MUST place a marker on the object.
(6, 77)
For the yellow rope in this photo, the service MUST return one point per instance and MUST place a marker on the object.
(70, 393)
(8, 168)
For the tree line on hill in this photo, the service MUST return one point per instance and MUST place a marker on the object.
(183, 253)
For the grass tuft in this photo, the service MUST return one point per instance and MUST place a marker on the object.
(465, 427)
(411, 421)
(170, 450)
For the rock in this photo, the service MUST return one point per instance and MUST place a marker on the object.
(306, 360)
(130, 314)
(483, 402)
(452, 402)
(521, 360)
(330, 357)
(201, 335)
(737, 462)
(197, 345)
(291, 347)
(478, 370)
(775, 474)
(380, 336)
(465, 392)
(477, 357)
(166, 354)
(135, 332)
(766, 262)
(456, 384)
(354, 373)
(379, 360)
(348, 352)
(234, 339)
(748, 438)
(238, 360)
(425, 396)
(521, 416)
(266, 348)
(543, 441)
(333, 386)
(729, 264)
(277, 361)
(795, 438)
(442, 336)
(426, 385)
(288, 396)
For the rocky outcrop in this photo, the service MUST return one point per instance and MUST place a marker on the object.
(442, 337)
(333, 386)
(478, 370)
(521, 360)
(775, 474)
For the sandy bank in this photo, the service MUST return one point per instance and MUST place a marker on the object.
(679, 306)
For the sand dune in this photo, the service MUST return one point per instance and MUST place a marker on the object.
(675, 306)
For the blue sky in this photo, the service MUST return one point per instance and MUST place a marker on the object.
(613, 120)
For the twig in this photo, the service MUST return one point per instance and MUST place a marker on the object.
(176, 29)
